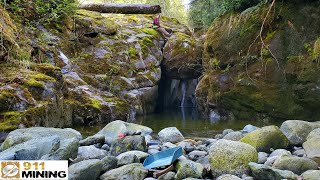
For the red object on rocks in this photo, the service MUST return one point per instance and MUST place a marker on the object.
(121, 135)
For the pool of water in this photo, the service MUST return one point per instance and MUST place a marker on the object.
(187, 121)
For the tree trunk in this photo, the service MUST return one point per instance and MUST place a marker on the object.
(123, 8)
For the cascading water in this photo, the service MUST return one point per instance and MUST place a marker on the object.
(183, 91)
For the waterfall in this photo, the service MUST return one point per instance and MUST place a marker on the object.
(183, 90)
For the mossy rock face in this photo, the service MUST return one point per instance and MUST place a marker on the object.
(187, 168)
(231, 157)
(265, 138)
(182, 57)
(281, 88)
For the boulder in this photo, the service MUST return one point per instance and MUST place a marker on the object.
(84, 170)
(234, 136)
(128, 143)
(182, 57)
(134, 171)
(131, 157)
(91, 152)
(311, 175)
(170, 134)
(195, 155)
(249, 128)
(187, 168)
(271, 160)
(297, 131)
(262, 157)
(231, 157)
(92, 140)
(265, 138)
(109, 162)
(297, 165)
(168, 176)
(228, 177)
(280, 152)
(299, 153)
(114, 128)
(312, 148)
(263, 172)
(314, 133)
(68, 149)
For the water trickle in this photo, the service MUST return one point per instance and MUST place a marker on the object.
(183, 90)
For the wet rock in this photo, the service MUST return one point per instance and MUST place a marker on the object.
(314, 133)
(225, 151)
(249, 128)
(297, 165)
(195, 155)
(131, 157)
(92, 140)
(182, 57)
(91, 152)
(168, 176)
(187, 168)
(263, 172)
(265, 138)
(311, 175)
(170, 134)
(109, 162)
(84, 170)
(312, 148)
(128, 143)
(228, 177)
(234, 136)
(280, 152)
(130, 171)
(113, 129)
(297, 131)
(262, 157)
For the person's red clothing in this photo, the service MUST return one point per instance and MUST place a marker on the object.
(156, 21)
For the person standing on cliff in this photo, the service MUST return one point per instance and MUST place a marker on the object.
(162, 30)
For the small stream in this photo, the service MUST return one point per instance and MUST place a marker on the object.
(187, 121)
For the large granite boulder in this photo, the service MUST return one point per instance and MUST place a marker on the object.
(314, 133)
(311, 175)
(264, 172)
(128, 143)
(84, 170)
(182, 57)
(131, 171)
(297, 131)
(312, 148)
(170, 134)
(41, 143)
(109, 162)
(131, 157)
(91, 152)
(187, 168)
(297, 165)
(231, 157)
(265, 138)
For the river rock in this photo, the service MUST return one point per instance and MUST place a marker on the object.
(105, 147)
(128, 143)
(234, 136)
(300, 153)
(131, 157)
(201, 148)
(134, 171)
(312, 148)
(297, 131)
(109, 162)
(114, 128)
(187, 168)
(153, 151)
(280, 152)
(91, 152)
(271, 160)
(228, 177)
(168, 145)
(297, 165)
(195, 155)
(314, 133)
(204, 161)
(225, 151)
(263, 172)
(168, 176)
(265, 138)
(92, 140)
(262, 157)
(226, 131)
(311, 175)
(84, 170)
(170, 134)
(249, 128)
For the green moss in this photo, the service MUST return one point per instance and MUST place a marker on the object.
(34, 83)
(10, 120)
(150, 31)
(132, 52)
(95, 103)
